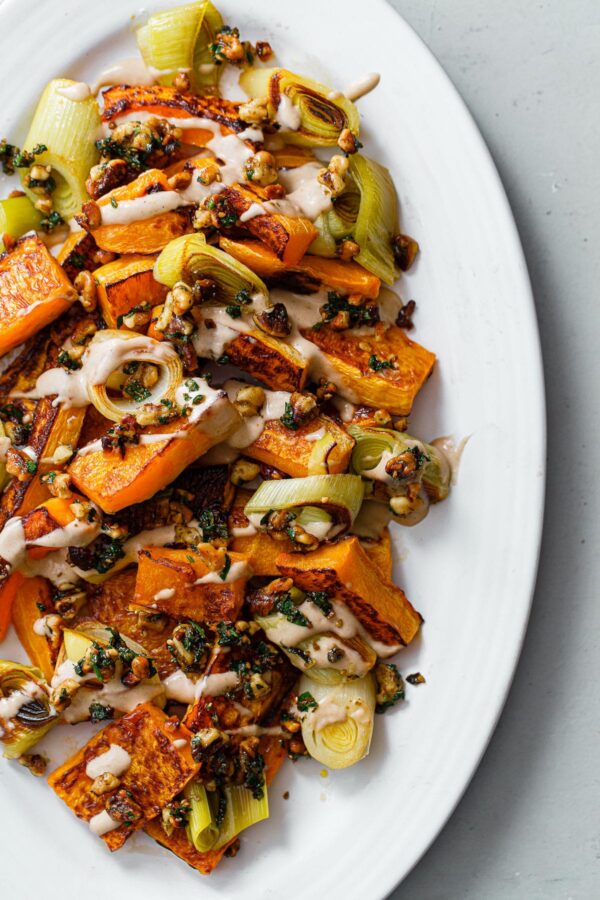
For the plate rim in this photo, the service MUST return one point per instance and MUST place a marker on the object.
(385, 881)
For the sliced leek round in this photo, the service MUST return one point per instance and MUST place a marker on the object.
(241, 811)
(340, 496)
(68, 128)
(305, 110)
(189, 257)
(337, 730)
(367, 211)
(178, 40)
(160, 354)
(26, 713)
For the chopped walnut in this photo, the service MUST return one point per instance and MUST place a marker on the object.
(58, 483)
(20, 465)
(348, 141)
(228, 47)
(181, 298)
(62, 454)
(333, 177)
(105, 783)
(249, 400)
(254, 112)
(123, 809)
(35, 762)
(274, 321)
(404, 318)
(264, 51)
(85, 285)
(261, 168)
(62, 695)
(90, 216)
(68, 605)
(244, 470)
(405, 249)
(181, 82)
(347, 250)
(302, 408)
(180, 181)
(403, 466)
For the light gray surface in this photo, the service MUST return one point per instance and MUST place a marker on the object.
(528, 826)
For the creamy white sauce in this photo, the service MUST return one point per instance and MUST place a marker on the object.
(127, 211)
(245, 531)
(115, 761)
(341, 623)
(210, 343)
(316, 435)
(180, 743)
(451, 452)
(128, 71)
(183, 689)
(255, 209)
(238, 569)
(288, 116)
(102, 823)
(252, 133)
(13, 546)
(258, 730)
(77, 91)
(307, 194)
(41, 627)
(333, 709)
(363, 86)
(113, 693)
(253, 426)
(165, 594)
(101, 359)
(10, 706)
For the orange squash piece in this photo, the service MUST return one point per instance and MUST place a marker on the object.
(344, 570)
(127, 283)
(311, 273)
(292, 451)
(166, 581)
(289, 237)
(32, 598)
(34, 290)
(358, 360)
(8, 592)
(167, 101)
(380, 553)
(274, 755)
(114, 481)
(160, 768)
(258, 546)
(78, 252)
(276, 364)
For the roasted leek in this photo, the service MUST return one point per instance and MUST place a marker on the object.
(306, 113)
(26, 713)
(179, 40)
(189, 258)
(241, 811)
(338, 723)
(367, 210)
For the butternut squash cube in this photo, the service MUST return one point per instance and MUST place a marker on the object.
(293, 451)
(115, 481)
(34, 290)
(126, 284)
(160, 768)
(345, 571)
(385, 370)
(167, 581)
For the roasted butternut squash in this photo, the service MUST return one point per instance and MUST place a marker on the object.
(8, 592)
(44, 519)
(380, 553)
(166, 101)
(33, 599)
(110, 602)
(127, 284)
(344, 570)
(385, 370)
(79, 252)
(274, 755)
(275, 363)
(115, 481)
(300, 453)
(161, 766)
(34, 290)
(311, 273)
(172, 581)
(289, 237)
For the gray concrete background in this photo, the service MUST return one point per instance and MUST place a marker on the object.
(528, 826)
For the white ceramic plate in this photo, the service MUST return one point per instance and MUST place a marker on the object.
(470, 567)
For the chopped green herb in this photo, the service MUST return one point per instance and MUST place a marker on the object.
(287, 418)
(378, 364)
(113, 203)
(31, 466)
(320, 599)
(226, 567)
(233, 311)
(100, 713)
(136, 390)
(286, 606)
(306, 701)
